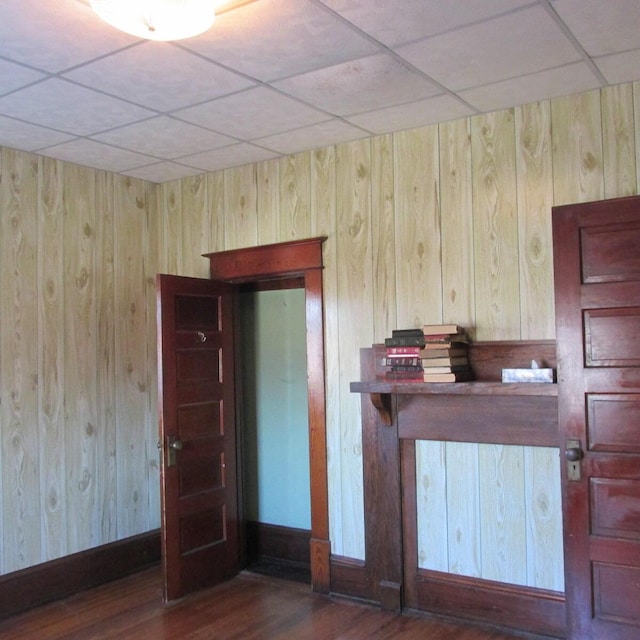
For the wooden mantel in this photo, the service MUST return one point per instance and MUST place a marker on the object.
(394, 416)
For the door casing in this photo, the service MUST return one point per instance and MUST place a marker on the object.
(297, 259)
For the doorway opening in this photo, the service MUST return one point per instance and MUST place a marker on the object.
(301, 259)
(273, 428)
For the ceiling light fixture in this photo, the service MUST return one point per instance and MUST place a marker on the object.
(157, 19)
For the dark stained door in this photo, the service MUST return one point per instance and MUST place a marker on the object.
(197, 434)
(597, 295)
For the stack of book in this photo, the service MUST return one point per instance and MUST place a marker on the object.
(403, 359)
(445, 353)
(434, 353)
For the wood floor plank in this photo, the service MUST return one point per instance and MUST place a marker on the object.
(249, 607)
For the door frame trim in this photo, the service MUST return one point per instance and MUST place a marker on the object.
(297, 258)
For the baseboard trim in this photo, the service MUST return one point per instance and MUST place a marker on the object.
(49, 581)
(350, 578)
(516, 607)
(278, 542)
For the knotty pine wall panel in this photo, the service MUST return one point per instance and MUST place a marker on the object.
(323, 220)
(106, 506)
(21, 470)
(495, 226)
(51, 359)
(417, 228)
(534, 185)
(152, 261)
(355, 326)
(618, 141)
(195, 219)
(295, 197)
(383, 237)
(578, 172)
(478, 191)
(240, 214)
(135, 452)
(456, 197)
(83, 450)
(268, 200)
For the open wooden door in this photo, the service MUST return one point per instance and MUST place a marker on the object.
(597, 294)
(197, 434)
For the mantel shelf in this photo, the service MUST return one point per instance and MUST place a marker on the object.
(455, 388)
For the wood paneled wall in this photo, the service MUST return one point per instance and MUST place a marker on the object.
(444, 223)
(78, 457)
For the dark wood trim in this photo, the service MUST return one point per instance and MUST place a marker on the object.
(350, 577)
(263, 262)
(277, 542)
(49, 581)
(522, 608)
(298, 258)
(390, 576)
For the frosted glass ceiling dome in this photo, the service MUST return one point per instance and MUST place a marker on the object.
(157, 19)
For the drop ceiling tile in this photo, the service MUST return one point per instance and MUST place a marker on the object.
(28, 137)
(365, 84)
(232, 156)
(620, 67)
(254, 113)
(602, 27)
(69, 108)
(394, 24)
(413, 114)
(273, 39)
(159, 76)
(518, 43)
(14, 76)
(164, 138)
(97, 155)
(162, 172)
(316, 136)
(55, 35)
(572, 78)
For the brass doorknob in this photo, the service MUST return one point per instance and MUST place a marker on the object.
(573, 454)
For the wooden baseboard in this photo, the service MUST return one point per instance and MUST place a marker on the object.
(49, 581)
(277, 542)
(349, 577)
(522, 608)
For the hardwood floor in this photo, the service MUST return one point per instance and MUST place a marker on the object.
(249, 607)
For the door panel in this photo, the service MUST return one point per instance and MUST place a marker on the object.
(597, 293)
(197, 434)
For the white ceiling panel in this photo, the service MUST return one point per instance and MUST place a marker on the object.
(95, 154)
(29, 137)
(232, 156)
(156, 137)
(399, 22)
(254, 113)
(162, 172)
(272, 39)
(620, 67)
(55, 35)
(69, 108)
(412, 114)
(516, 44)
(551, 83)
(360, 85)
(602, 27)
(14, 76)
(274, 77)
(159, 76)
(322, 134)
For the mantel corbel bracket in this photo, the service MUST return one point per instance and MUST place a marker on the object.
(382, 403)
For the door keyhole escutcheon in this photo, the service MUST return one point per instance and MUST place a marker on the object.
(574, 454)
